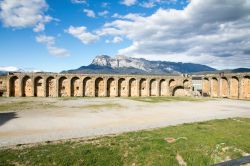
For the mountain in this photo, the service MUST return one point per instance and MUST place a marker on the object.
(128, 65)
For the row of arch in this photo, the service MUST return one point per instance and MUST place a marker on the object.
(232, 87)
(98, 87)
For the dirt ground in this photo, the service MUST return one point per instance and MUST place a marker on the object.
(31, 120)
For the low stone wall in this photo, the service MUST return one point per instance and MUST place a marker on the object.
(95, 85)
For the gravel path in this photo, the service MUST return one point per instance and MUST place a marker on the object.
(80, 118)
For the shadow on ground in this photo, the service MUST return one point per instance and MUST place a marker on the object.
(7, 116)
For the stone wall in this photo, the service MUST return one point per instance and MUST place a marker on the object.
(95, 85)
(233, 85)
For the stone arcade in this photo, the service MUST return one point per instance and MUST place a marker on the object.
(94, 85)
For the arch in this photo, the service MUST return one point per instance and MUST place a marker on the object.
(171, 83)
(132, 87)
(27, 87)
(88, 87)
(185, 83)
(99, 87)
(143, 87)
(39, 87)
(111, 87)
(75, 86)
(234, 87)
(63, 87)
(205, 87)
(224, 87)
(14, 89)
(153, 87)
(163, 87)
(246, 87)
(214, 87)
(179, 91)
(51, 87)
(122, 90)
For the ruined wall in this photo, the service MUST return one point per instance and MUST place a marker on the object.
(3, 86)
(231, 85)
(94, 85)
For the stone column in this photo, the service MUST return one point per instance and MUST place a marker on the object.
(33, 85)
(158, 87)
(138, 87)
(8, 86)
(148, 87)
(57, 87)
(240, 88)
(81, 86)
(69, 78)
(127, 86)
(45, 86)
(20, 86)
(117, 87)
(93, 87)
(220, 87)
(105, 79)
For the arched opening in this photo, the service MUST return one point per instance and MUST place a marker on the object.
(75, 86)
(163, 88)
(224, 87)
(186, 84)
(143, 87)
(39, 87)
(205, 87)
(179, 91)
(88, 87)
(171, 83)
(99, 87)
(153, 88)
(27, 87)
(246, 87)
(214, 87)
(51, 87)
(132, 87)
(63, 87)
(111, 87)
(234, 87)
(122, 87)
(14, 86)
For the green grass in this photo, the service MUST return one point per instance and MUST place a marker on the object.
(166, 99)
(203, 143)
(25, 105)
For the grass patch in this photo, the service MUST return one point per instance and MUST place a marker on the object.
(167, 99)
(203, 143)
(25, 105)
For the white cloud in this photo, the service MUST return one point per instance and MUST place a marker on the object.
(211, 32)
(9, 68)
(116, 39)
(128, 2)
(103, 13)
(49, 41)
(89, 13)
(24, 13)
(79, 1)
(81, 34)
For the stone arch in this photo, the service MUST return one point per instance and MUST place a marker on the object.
(132, 87)
(63, 87)
(171, 83)
(185, 83)
(234, 87)
(163, 87)
(99, 87)
(27, 87)
(224, 87)
(153, 87)
(143, 87)
(214, 87)
(14, 89)
(75, 86)
(246, 87)
(205, 87)
(51, 87)
(122, 89)
(88, 87)
(179, 91)
(39, 87)
(111, 87)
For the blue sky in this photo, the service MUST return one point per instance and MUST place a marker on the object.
(55, 35)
